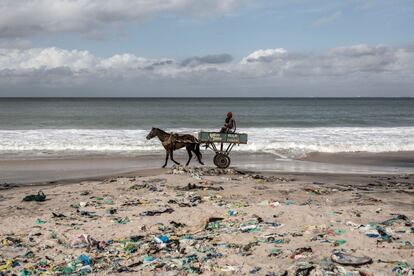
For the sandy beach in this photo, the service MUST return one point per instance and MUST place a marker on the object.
(213, 222)
(206, 137)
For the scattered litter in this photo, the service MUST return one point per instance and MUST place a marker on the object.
(148, 186)
(87, 213)
(177, 224)
(82, 241)
(199, 172)
(339, 242)
(111, 211)
(354, 225)
(58, 215)
(157, 212)
(403, 269)
(86, 260)
(162, 239)
(121, 220)
(302, 252)
(255, 270)
(149, 259)
(191, 186)
(274, 252)
(248, 228)
(289, 202)
(40, 197)
(317, 191)
(373, 230)
(39, 221)
(174, 245)
(189, 200)
(270, 178)
(347, 259)
(231, 213)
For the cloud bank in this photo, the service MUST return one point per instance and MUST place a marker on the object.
(263, 70)
(209, 59)
(31, 17)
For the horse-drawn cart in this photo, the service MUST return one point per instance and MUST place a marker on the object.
(225, 143)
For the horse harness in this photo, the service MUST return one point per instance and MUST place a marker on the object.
(173, 139)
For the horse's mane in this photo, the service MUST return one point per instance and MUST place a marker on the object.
(161, 130)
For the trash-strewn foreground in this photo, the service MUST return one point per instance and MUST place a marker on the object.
(211, 221)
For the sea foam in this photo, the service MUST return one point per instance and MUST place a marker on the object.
(283, 142)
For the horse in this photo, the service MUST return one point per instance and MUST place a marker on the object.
(174, 141)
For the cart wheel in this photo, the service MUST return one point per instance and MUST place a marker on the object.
(221, 160)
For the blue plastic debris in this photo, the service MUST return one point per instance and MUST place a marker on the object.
(86, 260)
(148, 259)
(231, 213)
(162, 239)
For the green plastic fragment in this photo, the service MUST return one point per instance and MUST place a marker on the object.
(39, 221)
(67, 270)
(25, 272)
(275, 252)
(280, 241)
(339, 231)
(148, 259)
(340, 242)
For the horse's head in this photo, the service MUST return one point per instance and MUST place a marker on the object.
(152, 133)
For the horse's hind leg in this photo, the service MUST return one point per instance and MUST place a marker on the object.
(172, 157)
(190, 155)
(166, 158)
(196, 150)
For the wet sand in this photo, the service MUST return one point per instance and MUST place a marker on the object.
(264, 223)
(389, 159)
(33, 171)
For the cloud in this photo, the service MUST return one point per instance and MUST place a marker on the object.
(47, 58)
(32, 17)
(209, 59)
(344, 68)
(339, 61)
(327, 19)
(268, 55)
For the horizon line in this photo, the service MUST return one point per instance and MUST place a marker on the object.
(216, 97)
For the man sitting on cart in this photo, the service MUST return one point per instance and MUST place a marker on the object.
(229, 124)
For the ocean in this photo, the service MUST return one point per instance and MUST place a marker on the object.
(288, 128)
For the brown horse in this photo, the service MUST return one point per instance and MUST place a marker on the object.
(174, 141)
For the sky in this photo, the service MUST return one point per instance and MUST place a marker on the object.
(206, 48)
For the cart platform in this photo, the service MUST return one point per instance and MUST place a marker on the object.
(218, 137)
(225, 141)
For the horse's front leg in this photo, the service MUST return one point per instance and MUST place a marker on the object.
(167, 154)
(172, 157)
(190, 155)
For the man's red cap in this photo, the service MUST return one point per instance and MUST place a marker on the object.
(229, 114)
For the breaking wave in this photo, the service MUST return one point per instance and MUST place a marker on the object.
(283, 142)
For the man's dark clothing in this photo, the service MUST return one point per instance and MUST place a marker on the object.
(229, 125)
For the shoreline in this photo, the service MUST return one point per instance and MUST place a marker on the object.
(398, 159)
(40, 171)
